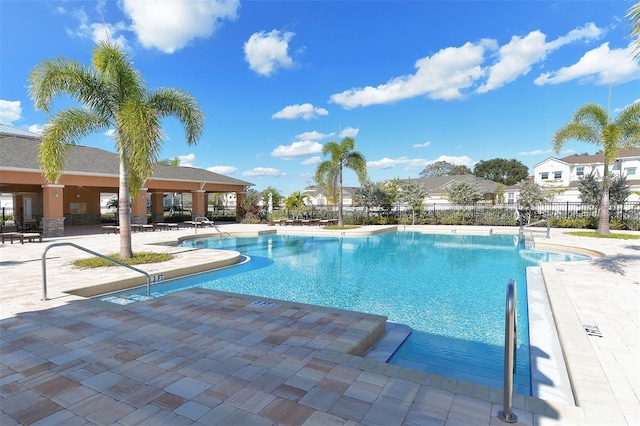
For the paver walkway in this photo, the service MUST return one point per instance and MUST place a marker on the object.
(206, 357)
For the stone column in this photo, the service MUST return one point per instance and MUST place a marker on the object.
(240, 196)
(52, 210)
(198, 203)
(139, 208)
(157, 207)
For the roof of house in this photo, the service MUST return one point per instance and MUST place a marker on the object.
(595, 158)
(21, 153)
(7, 130)
(439, 183)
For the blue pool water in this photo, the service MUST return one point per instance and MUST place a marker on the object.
(450, 289)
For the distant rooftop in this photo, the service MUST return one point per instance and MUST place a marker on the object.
(7, 130)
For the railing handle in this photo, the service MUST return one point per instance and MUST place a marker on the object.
(509, 354)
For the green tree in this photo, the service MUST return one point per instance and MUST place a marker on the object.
(413, 194)
(531, 195)
(592, 124)
(169, 161)
(371, 195)
(464, 192)
(329, 172)
(506, 172)
(444, 168)
(276, 197)
(499, 196)
(113, 95)
(591, 190)
(295, 203)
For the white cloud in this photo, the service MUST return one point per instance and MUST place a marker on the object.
(186, 160)
(10, 111)
(602, 65)
(387, 163)
(305, 111)
(36, 128)
(518, 56)
(441, 76)
(169, 25)
(266, 52)
(297, 149)
(223, 170)
(314, 136)
(97, 31)
(264, 171)
(421, 145)
(311, 161)
(349, 132)
(536, 152)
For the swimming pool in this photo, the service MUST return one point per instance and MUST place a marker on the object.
(450, 289)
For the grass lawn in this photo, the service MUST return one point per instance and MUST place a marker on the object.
(614, 235)
(137, 259)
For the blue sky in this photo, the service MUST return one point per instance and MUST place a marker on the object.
(413, 82)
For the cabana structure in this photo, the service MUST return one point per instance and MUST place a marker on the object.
(89, 172)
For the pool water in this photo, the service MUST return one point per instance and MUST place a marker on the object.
(450, 289)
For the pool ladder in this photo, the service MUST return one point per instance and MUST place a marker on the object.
(510, 337)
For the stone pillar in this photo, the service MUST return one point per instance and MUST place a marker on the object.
(139, 208)
(197, 203)
(240, 196)
(157, 207)
(52, 210)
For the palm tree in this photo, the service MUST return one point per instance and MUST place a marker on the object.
(113, 95)
(592, 124)
(294, 203)
(329, 172)
(634, 20)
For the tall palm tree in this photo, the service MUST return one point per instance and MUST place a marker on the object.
(634, 20)
(329, 172)
(113, 95)
(592, 124)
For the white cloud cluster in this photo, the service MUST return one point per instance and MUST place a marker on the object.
(453, 72)
(349, 132)
(264, 171)
(187, 160)
(223, 170)
(421, 145)
(297, 149)
(535, 152)
(267, 51)
(314, 135)
(312, 161)
(304, 111)
(169, 25)
(602, 65)
(10, 111)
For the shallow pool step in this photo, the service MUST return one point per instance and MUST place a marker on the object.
(395, 334)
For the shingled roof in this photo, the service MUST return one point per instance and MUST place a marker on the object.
(21, 153)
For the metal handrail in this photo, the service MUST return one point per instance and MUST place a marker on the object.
(44, 265)
(206, 220)
(510, 337)
(535, 223)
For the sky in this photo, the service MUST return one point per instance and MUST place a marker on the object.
(413, 82)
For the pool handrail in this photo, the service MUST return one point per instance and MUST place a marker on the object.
(535, 223)
(510, 336)
(50, 246)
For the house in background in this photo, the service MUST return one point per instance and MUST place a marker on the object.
(560, 176)
(76, 199)
(436, 187)
(320, 198)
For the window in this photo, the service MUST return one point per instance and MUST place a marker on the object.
(631, 171)
(580, 171)
(557, 175)
(510, 198)
(616, 166)
(544, 175)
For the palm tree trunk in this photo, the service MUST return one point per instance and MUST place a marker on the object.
(603, 221)
(340, 217)
(124, 210)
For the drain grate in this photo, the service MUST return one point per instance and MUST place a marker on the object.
(592, 330)
(264, 304)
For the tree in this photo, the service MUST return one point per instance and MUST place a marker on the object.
(592, 124)
(499, 196)
(371, 195)
(464, 192)
(444, 168)
(295, 203)
(414, 195)
(506, 172)
(276, 197)
(112, 95)
(531, 195)
(329, 172)
(169, 161)
(634, 20)
(591, 190)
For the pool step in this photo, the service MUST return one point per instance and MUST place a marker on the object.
(395, 334)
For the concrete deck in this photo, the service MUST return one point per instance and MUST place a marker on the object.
(207, 357)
